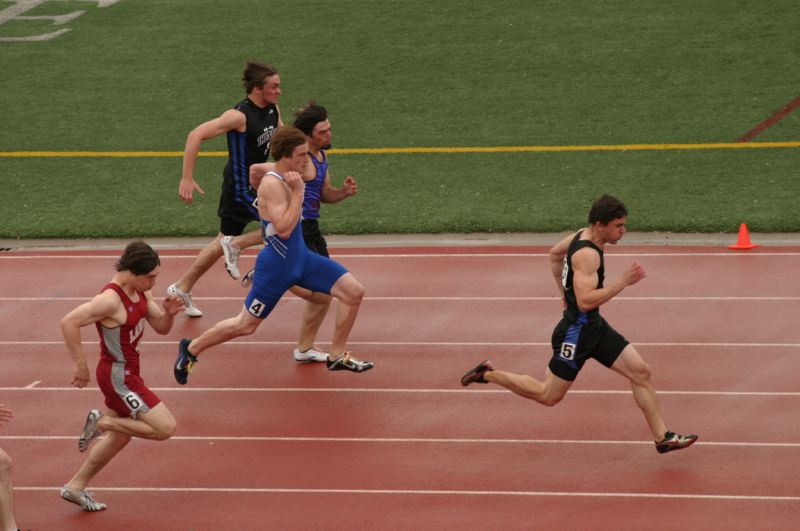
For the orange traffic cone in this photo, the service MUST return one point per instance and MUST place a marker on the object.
(744, 240)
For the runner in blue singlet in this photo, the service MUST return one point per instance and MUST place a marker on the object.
(285, 262)
(313, 121)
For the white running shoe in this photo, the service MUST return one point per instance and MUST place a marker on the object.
(90, 430)
(190, 309)
(309, 355)
(231, 253)
(82, 499)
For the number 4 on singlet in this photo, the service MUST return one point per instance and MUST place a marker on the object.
(256, 308)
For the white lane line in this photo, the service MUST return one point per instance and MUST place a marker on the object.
(455, 299)
(429, 492)
(393, 256)
(622, 392)
(238, 343)
(415, 440)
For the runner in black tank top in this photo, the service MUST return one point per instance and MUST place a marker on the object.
(249, 127)
(245, 149)
(571, 311)
(582, 333)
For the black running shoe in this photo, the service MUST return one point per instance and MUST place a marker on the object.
(185, 362)
(477, 374)
(247, 279)
(348, 362)
(674, 441)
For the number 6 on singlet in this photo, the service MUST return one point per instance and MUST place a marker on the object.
(133, 401)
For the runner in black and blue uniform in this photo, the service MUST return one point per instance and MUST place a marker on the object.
(245, 148)
(581, 335)
(285, 262)
(577, 264)
(249, 127)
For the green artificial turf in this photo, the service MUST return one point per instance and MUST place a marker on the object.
(139, 75)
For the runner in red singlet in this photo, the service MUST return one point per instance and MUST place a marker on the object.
(119, 312)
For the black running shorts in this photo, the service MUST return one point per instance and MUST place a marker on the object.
(575, 342)
(234, 216)
(314, 238)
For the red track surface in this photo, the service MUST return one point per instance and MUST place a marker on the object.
(264, 443)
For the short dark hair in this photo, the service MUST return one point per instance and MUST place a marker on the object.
(607, 208)
(255, 74)
(284, 141)
(138, 258)
(307, 118)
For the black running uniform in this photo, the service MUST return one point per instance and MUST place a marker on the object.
(236, 208)
(582, 335)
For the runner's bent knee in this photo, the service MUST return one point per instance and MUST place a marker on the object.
(549, 399)
(244, 325)
(640, 374)
(165, 429)
(162, 433)
(161, 421)
(349, 290)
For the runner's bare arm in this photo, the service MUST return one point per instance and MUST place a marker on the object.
(230, 120)
(557, 254)
(161, 317)
(585, 264)
(101, 308)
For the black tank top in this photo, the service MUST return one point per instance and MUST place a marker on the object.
(572, 312)
(247, 148)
